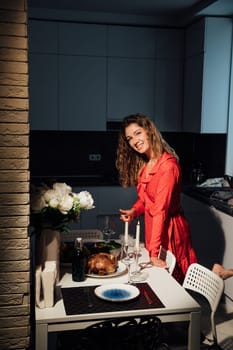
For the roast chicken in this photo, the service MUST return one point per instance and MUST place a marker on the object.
(102, 264)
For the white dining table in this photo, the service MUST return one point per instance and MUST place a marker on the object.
(178, 304)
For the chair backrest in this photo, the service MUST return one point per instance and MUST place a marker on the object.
(168, 257)
(143, 332)
(205, 282)
(87, 235)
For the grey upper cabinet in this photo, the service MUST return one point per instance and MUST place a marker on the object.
(168, 95)
(43, 91)
(82, 93)
(229, 145)
(131, 52)
(130, 87)
(207, 71)
(43, 75)
(82, 77)
(134, 42)
(43, 36)
(82, 39)
(168, 98)
(169, 44)
(145, 74)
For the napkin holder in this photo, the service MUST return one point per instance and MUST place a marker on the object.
(45, 284)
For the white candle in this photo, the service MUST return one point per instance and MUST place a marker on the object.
(126, 233)
(137, 236)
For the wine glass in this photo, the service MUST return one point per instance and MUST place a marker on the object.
(138, 275)
(128, 258)
(107, 230)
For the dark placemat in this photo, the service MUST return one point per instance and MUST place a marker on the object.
(77, 300)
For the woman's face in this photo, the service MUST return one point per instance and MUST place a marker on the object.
(137, 138)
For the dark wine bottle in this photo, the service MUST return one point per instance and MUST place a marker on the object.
(79, 261)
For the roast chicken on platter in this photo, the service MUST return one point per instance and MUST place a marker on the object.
(102, 264)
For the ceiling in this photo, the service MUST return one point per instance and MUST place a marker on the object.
(151, 8)
(140, 7)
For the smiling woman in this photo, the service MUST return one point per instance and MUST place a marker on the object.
(145, 160)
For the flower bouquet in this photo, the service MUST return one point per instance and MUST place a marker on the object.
(55, 207)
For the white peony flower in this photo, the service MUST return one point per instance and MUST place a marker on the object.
(66, 204)
(45, 202)
(53, 203)
(62, 188)
(85, 199)
(50, 195)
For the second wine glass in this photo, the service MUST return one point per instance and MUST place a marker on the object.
(128, 258)
(107, 230)
(138, 275)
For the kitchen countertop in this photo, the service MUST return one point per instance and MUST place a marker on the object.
(212, 196)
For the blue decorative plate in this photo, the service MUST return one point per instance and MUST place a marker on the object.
(117, 292)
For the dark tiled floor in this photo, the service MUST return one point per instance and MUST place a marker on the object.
(224, 325)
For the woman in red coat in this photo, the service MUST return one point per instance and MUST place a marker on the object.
(145, 160)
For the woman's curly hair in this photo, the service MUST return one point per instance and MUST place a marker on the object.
(128, 161)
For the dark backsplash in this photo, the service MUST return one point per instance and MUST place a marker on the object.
(207, 150)
(65, 155)
(71, 156)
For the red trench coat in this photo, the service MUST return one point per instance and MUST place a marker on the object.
(159, 198)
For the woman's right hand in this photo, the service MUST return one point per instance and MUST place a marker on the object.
(158, 262)
(127, 215)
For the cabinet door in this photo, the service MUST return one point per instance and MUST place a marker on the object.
(43, 86)
(207, 71)
(227, 258)
(206, 231)
(193, 93)
(131, 42)
(82, 39)
(217, 62)
(168, 95)
(195, 38)
(42, 36)
(229, 147)
(82, 93)
(130, 87)
(170, 43)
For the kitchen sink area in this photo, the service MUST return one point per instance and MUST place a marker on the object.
(219, 197)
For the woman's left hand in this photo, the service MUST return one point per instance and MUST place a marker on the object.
(158, 262)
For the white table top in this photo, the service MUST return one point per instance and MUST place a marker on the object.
(170, 292)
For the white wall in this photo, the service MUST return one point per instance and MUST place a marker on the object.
(229, 149)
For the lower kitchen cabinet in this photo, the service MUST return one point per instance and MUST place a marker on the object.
(212, 237)
(227, 261)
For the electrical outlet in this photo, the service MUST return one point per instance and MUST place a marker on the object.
(95, 157)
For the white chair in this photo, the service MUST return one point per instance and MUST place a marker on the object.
(87, 235)
(168, 257)
(205, 282)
